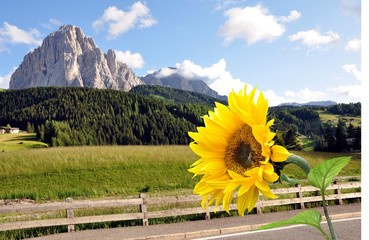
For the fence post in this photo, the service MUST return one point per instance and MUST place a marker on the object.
(258, 209)
(143, 209)
(207, 214)
(70, 214)
(299, 195)
(338, 192)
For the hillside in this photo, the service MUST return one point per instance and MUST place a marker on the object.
(176, 95)
(85, 116)
(332, 128)
(153, 115)
(19, 141)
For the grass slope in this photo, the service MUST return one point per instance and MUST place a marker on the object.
(90, 172)
(19, 141)
(176, 95)
(334, 118)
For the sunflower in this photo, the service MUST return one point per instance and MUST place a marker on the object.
(236, 152)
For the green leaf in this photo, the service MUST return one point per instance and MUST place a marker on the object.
(308, 217)
(322, 175)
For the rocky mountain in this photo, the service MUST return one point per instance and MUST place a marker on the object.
(68, 58)
(177, 81)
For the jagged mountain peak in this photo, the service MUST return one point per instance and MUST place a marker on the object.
(169, 77)
(67, 57)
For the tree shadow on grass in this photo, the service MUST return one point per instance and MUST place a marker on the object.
(22, 138)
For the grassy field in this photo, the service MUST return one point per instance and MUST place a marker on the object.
(325, 117)
(19, 141)
(44, 174)
(111, 171)
(57, 173)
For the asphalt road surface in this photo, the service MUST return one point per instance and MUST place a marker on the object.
(346, 218)
(346, 229)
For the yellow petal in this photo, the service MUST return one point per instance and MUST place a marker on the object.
(214, 166)
(197, 162)
(218, 184)
(234, 175)
(242, 203)
(279, 153)
(227, 199)
(262, 185)
(217, 195)
(262, 109)
(270, 177)
(231, 186)
(243, 189)
(269, 194)
(252, 198)
(268, 168)
(205, 152)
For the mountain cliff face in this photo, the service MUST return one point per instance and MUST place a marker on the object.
(68, 58)
(178, 81)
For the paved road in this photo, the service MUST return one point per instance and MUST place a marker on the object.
(349, 229)
(213, 227)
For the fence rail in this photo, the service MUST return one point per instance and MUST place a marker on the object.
(144, 202)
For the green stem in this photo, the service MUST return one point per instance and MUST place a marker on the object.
(324, 234)
(299, 161)
(330, 225)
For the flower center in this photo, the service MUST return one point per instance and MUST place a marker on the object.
(243, 151)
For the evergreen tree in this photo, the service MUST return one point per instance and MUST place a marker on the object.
(341, 136)
(330, 139)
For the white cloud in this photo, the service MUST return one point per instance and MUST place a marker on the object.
(351, 7)
(223, 4)
(254, 24)
(133, 60)
(351, 68)
(305, 95)
(274, 99)
(219, 79)
(4, 80)
(294, 15)
(52, 22)
(354, 91)
(353, 45)
(314, 39)
(216, 76)
(165, 72)
(118, 21)
(14, 35)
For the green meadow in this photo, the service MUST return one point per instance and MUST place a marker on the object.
(90, 172)
(53, 174)
(44, 174)
(326, 117)
(19, 141)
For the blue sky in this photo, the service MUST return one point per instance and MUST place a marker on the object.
(292, 50)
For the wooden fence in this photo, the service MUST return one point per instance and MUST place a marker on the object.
(300, 196)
